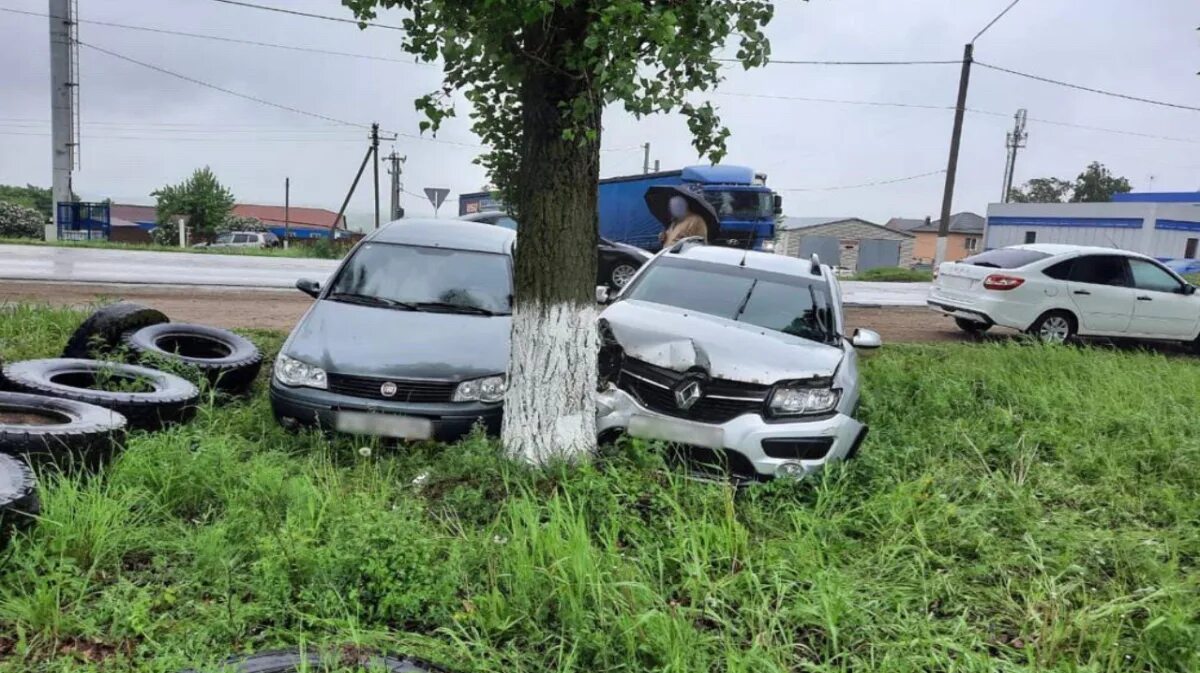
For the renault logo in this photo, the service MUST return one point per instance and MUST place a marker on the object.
(688, 394)
(388, 389)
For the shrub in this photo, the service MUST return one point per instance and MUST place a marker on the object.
(895, 274)
(20, 222)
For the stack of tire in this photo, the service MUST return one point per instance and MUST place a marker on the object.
(54, 413)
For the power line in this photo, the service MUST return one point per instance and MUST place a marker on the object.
(835, 100)
(309, 15)
(794, 62)
(1080, 87)
(233, 40)
(1085, 127)
(160, 139)
(865, 184)
(993, 21)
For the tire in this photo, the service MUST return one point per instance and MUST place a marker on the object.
(228, 361)
(971, 327)
(49, 431)
(18, 497)
(315, 662)
(101, 332)
(620, 274)
(1053, 327)
(170, 399)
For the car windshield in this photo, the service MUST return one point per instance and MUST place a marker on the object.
(741, 204)
(1005, 258)
(788, 304)
(421, 277)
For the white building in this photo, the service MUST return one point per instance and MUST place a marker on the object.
(1165, 226)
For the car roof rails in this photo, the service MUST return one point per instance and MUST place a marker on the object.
(683, 244)
(815, 268)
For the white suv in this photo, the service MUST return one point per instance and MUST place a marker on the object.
(1057, 292)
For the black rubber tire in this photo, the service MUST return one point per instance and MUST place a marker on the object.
(18, 497)
(229, 362)
(101, 332)
(1072, 326)
(612, 274)
(292, 661)
(971, 327)
(172, 400)
(51, 431)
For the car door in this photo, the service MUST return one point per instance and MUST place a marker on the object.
(1100, 289)
(1161, 308)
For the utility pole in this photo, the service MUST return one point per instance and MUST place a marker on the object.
(1014, 141)
(396, 171)
(63, 110)
(375, 166)
(952, 165)
(656, 165)
(646, 158)
(287, 215)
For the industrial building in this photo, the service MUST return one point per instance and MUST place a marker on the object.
(845, 242)
(1161, 225)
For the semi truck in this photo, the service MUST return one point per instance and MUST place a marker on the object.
(744, 204)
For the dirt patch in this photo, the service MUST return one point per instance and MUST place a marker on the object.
(281, 309)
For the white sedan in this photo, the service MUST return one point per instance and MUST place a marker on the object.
(1057, 292)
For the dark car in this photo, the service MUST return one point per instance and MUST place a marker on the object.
(615, 262)
(409, 338)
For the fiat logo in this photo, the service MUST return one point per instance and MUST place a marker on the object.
(388, 389)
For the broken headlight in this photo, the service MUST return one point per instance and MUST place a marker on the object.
(802, 400)
(609, 359)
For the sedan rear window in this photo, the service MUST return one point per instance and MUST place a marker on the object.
(1005, 258)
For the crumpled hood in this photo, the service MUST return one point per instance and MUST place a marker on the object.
(385, 343)
(679, 339)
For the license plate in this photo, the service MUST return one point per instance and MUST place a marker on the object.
(956, 282)
(384, 425)
(671, 430)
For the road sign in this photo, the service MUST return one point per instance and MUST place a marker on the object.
(436, 195)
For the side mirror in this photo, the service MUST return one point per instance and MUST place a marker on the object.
(602, 296)
(1189, 289)
(778, 204)
(865, 338)
(309, 287)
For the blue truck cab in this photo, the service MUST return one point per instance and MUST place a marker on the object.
(743, 202)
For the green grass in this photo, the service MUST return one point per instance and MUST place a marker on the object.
(1016, 508)
(895, 275)
(320, 250)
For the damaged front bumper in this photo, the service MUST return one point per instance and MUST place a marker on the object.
(746, 448)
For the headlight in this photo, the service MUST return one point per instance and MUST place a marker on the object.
(768, 246)
(800, 401)
(490, 389)
(292, 372)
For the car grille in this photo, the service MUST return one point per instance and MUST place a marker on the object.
(721, 400)
(799, 448)
(407, 390)
(714, 464)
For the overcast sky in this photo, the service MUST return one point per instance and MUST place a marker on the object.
(143, 129)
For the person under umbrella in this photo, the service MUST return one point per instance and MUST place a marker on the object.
(683, 213)
(684, 223)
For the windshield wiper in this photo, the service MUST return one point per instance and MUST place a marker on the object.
(453, 308)
(369, 300)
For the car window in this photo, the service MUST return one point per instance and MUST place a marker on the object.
(1100, 270)
(1150, 276)
(1060, 271)
(224, 238)
(774, 301)
(415, 274)
(241, 238)
(506, 222)
(1006, 258)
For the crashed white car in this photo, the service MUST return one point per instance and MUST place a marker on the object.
(737, 360)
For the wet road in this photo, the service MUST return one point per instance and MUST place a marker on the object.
(89, 265)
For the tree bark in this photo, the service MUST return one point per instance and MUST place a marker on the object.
(550, 408)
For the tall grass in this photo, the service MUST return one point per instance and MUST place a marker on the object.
(1016, 508)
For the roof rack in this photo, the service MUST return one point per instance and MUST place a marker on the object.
(683, 244)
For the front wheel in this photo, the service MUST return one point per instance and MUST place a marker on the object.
(1055, 327)
(621, 274)
(971, 326)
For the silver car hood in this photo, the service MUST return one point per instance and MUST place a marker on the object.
(679, 339)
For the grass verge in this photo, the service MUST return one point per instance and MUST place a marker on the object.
(895, 275)
(1016, 508)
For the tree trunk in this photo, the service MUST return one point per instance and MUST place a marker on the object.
(550, 408)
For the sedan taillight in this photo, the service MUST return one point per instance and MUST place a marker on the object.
(998, 281)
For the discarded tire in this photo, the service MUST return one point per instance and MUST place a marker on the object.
(147, 398)
(101, 332)
(18, 496)
(58, 432)
(227, 360)
(292, 661)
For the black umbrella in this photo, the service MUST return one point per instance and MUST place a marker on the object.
(658, 198)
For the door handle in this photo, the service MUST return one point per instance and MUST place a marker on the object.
(1144, 298)
(1081, 292)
